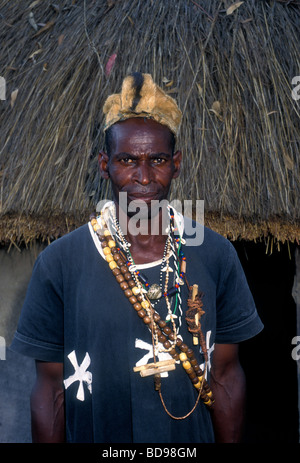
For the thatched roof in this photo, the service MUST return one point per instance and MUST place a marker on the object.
(230, 69)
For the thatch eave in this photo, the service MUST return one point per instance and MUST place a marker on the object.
(23, 229)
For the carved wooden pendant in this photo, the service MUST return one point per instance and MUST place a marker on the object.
(155, 368)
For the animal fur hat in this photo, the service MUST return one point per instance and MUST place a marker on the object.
(141, 97)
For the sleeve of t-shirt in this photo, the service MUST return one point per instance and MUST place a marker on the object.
(237, 317)
(39, 332)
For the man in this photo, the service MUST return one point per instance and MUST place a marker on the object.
(127, 349)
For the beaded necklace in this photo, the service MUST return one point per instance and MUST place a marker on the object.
(155, 292)
(127, 277)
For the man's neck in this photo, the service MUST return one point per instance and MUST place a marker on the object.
(147, 240)
(145, 249)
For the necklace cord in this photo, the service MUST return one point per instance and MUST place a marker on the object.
(194, 407)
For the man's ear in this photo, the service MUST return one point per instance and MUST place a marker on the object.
(177, 157)
(103, 164)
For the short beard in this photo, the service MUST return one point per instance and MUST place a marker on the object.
(144, 218)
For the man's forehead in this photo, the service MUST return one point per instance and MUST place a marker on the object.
(138, 135)
(141, 124)
(140, 129)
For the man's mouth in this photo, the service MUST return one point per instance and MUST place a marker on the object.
(145, 196)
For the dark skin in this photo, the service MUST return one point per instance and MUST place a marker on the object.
(142, 164)
(47, 404)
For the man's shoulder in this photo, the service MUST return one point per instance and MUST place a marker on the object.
(204, 236)
(76, 240)
(213, 250)
(213, 237)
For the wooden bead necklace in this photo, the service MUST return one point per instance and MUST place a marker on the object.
(165, 267)
(141, 280)
(126, 276)
(154, 291)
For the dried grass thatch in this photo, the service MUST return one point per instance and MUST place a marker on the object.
(231, 74)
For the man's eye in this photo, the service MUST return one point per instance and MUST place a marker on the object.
(127, 160)
(158, 161)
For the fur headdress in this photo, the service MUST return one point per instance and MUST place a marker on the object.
(141, 97)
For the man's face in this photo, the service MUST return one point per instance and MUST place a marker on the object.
(141, 162)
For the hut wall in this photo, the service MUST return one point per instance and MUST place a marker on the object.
(17, 372)
(15, 270)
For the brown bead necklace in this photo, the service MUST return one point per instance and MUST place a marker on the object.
(127, 278)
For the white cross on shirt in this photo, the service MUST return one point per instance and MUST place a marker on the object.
(81, 374)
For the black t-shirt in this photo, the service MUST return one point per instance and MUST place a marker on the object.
(75, 313)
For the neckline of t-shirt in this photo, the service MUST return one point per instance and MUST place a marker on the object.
(180, 224)
(100, 250)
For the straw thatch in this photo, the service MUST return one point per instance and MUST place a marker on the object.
(230, 67)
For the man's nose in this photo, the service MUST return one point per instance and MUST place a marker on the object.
(143, 174)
